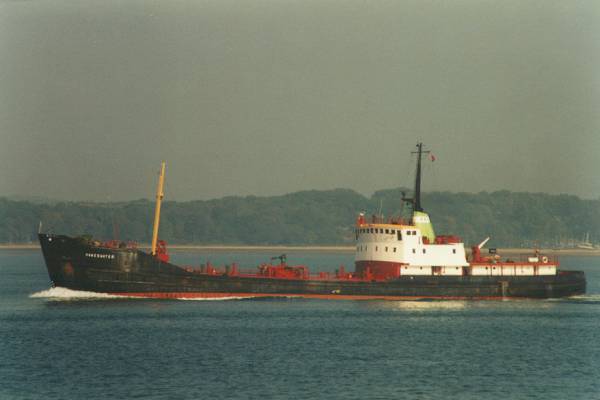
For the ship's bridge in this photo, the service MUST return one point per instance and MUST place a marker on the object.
(393, 249)
(382, 230)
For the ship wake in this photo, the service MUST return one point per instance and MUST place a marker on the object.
(64, 294)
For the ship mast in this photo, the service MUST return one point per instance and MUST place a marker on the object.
(417, 199)
(159, 197)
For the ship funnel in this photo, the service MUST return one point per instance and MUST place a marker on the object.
(421, 220)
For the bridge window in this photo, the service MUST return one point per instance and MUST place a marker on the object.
(408, 233)
(453, 251)
(376, 248)
(386, 248)
(399, 235)
(371, 230)
(387, 231)
(394, 249)
(424, 251)
(414, 251)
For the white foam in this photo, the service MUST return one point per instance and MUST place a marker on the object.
(59, 293)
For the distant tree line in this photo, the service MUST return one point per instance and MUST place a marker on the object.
(311, 217)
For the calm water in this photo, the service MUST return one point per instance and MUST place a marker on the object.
(70, 348)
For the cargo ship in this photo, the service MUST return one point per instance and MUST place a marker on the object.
(395, 259)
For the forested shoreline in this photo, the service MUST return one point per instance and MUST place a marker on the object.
(511, 219)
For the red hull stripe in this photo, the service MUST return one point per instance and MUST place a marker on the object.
(206, 295)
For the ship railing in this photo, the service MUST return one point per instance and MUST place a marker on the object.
(117, 244)
(233, 270)
(538, 258)
(521, 258)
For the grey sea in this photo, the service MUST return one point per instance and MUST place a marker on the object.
(57, 344)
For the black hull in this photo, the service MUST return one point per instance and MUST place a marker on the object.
(76, 264)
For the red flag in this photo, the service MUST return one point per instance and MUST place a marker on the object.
(431, 157)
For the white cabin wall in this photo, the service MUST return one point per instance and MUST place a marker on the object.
(508, 270)
(547, 270)
(452, 271)
(410, 250)
(480, 270)
(421, 257)
(415, 270)
(524, 270)
(435, 254)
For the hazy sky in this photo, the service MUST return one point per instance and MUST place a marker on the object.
(269, 97)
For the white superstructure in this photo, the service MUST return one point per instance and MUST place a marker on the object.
(405, 245)
(395, 249)
(389, 250)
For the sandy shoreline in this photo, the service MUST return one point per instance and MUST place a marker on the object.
(334, 249)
